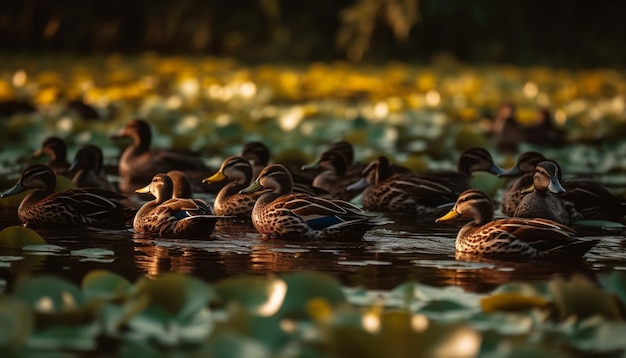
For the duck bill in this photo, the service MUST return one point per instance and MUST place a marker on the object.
(16, 189)
(252, 188)
(39, 153)
(74, 166)
(555, 186)
(495, 170)
(513, 172)
(144, 190)
(452, 214)
(314, 165)
(215, 178)
(358, 185)
(530, 189)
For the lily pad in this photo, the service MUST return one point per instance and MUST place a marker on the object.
(19, 236)
(16, 323)
(260, 296)
(304, 286)
(49, 294)
(580, 298)
(105, 285)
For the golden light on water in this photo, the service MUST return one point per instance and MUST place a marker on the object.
(19, 78)
(433, 98)
(371, 322)
(291, 119)
(247, 89)
(419, 322)
(560, 116)
(531, 89)
(278, 289)
(464, 343)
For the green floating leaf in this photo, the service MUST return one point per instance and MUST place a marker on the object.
(16, 323)
(233, 345)
(598, 335)
(615, 282)
(304, 286)
(49, 294)
(103, 284)
(260, 296)
(179, 295)
(581, 298)
(513, 297)
(19, 236)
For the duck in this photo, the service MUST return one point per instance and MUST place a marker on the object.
(171, 216)
(258, 153)
(471, 160)
(524, 169)
(56, 150)
(182, 190)
(281, 214)
(82, 207)
(512, 238)
(138, 163)
(402, 193)
(584, 199)
(542, 200)
(239, 171)
(88, 169)
(229, 201)
(335, 178)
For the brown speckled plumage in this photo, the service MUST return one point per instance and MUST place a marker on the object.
(172, 216)
(76, 207)
(280, 214)
(228, 201)
(510, 237)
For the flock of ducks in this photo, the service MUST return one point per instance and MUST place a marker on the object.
(293, 204)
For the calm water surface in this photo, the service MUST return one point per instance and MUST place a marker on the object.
(387, 256)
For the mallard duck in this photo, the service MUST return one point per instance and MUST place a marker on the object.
(542, 201)
(56, 150)
(510, 237)
(228, 201)
(335, 179)
(182, 190)
(524, 167)
(87, 169)
(583, 199)
(401, 193)
(171, 216)
(476, 159)
(259, 155)
(238, 170)
(138, 163)
(76, 207)
(280, 214)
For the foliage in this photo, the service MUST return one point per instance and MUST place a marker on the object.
(308, 313)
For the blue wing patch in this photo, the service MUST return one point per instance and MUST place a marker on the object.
(323, 222)
(182, 214)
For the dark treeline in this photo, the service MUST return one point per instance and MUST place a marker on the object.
(522, 32)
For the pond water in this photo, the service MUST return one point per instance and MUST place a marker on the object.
(387, 256)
